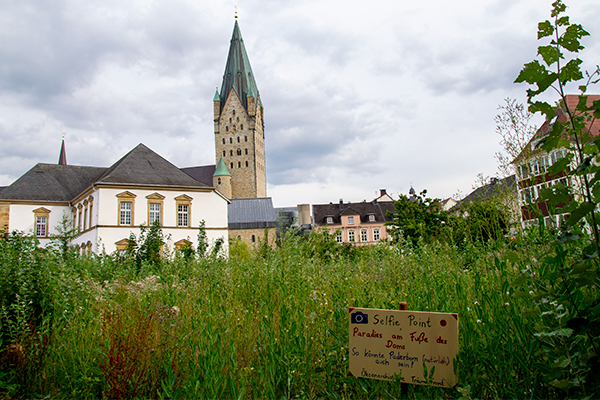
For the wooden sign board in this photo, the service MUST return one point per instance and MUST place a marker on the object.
(384, 344)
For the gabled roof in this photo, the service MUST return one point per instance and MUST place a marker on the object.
(572, 101)
(492, 189)
(363, 209)
(202, 173)
(52, 182)
(238, 73)
(142, 166)
(251, 213)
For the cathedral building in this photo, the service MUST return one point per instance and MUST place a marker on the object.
(107, 204)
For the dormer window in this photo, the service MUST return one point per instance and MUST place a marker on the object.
(371, 218)
(330, 220)
(350, 220)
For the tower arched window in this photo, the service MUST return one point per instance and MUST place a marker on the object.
(223, 140)
(230, 118)
(239, 164)
(231, 165)
(246, 164)
(219, 181)
(230, 140)
(238, 139)
(245, 138)
(239, 152)
(246, 151)
(230, 152)
(242, 127)
(226, 129)
(238, 119)
(224, 153)
(233, 112)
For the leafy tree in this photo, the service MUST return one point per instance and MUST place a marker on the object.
(417, 217)
(565, 293)
(202, 240)
(480, 221)
(66, 232)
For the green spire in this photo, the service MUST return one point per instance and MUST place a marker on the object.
(238, 73)
(221, 169)
(217, 97)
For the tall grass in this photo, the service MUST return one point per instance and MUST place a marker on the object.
(269, 323)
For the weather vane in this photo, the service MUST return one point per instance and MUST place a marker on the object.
(63, 134)
(236, 11)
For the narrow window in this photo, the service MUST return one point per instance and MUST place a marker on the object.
(245, 138)
(238, 139)
(227, 128)
(231, 152)
(253, 238)
(351, 236)
(246, 151)
(246, 164)
(239, 164)
(238, 119)
(230, 140)
(233, 113)
(223, 140)
(239, 152)
(218, 181)
(224, 153)
(153, 213)
(363, 235)
(338, 237)
(376, 235)
(231, 165)
(182, 214)
(242, 127)
(41, 226)
(125, 214)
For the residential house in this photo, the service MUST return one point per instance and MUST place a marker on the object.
(532, 164)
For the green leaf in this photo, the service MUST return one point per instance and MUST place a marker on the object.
(566, 332)
(545, 29)
(543, 107)
(584, 209)
(550, 54)
(560, 165)
(571, 71)
(570, 39)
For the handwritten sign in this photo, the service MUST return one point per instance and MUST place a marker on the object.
(384, 344)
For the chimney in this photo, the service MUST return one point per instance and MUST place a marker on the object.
(383, 192)
(341, 203)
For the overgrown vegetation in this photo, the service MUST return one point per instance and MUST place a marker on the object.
(272, 322)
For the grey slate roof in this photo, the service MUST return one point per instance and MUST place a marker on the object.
(364, 209)
(203, 173)
(52, 182)
(142, 166)
(251, 213)
(495, 187)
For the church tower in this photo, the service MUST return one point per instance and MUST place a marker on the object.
(239, 125)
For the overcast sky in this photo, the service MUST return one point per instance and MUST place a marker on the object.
(358, 95)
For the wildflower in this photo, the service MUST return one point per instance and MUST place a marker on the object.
(531, 292)
(476, 303)
(506, 304)
(468, 308)
(478, 321)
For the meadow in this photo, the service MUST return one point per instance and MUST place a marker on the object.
(264, 323)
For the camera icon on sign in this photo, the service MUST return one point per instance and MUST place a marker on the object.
(359, 318)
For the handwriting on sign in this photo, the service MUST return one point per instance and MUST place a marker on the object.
(418, 338)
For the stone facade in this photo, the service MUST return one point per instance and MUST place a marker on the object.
(4, 213)
(240, 141)
(253, 237)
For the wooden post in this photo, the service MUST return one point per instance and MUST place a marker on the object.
(403, 306)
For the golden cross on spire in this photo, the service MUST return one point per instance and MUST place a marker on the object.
(236, 11)
(63, 134)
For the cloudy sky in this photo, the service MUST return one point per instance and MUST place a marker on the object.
(358, 95)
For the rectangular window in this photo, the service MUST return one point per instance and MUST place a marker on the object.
(330, 220)
(338, 237)
(125, 217)
(363, 235)
(182, 215)
(350, 220)
(79, 220)
(376, 234)
(351, 235)
(85, 218)
(153, 213)
(41, 224)
(371, 218)
(90, 221)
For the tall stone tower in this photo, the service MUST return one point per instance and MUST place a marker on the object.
(239, 125)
